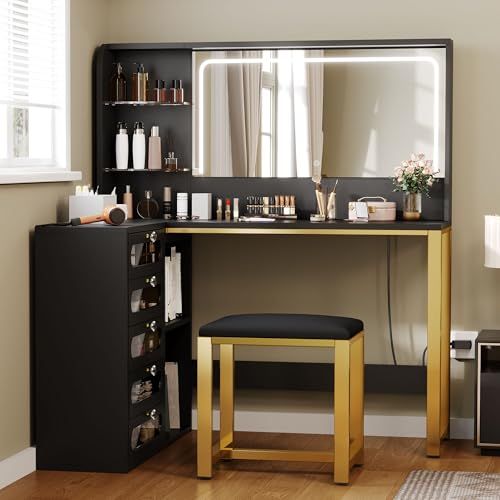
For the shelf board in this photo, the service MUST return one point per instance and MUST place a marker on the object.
(145, 103)
(129, 170)
(177, 323)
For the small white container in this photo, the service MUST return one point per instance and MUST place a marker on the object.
(80, 206)
(201, 206)
(139, 147)
(121, 146)
(182, 206)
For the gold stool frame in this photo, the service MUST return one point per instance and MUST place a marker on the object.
(348, 441)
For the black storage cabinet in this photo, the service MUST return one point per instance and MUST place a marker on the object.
(84, 368)
(487, 414)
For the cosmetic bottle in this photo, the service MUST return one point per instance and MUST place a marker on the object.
(139, 83)
(139, 146)
(129, 201)
(265, 209)
(236, 209)
(155, 94)
(121, 146)
(118, 85)
(292, 204)
(176, 93)
(171, 162)
(219, 209)
(182, 206)
(228, 210)
(148, 207)
(167, 202)
(154, 149)
(286, 210)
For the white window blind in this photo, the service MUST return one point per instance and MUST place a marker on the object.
(33, 81)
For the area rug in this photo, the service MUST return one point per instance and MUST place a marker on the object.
(444, 485)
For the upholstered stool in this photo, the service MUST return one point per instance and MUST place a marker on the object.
(345, 335)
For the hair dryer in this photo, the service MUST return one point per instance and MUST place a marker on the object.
(111, 215)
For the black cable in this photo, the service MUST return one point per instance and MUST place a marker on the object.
(389, 312)
(423, 356)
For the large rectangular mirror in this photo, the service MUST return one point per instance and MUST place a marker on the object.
(303, 113)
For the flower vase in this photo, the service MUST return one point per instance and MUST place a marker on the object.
(412, 206)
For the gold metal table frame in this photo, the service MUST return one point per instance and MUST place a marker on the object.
(438, 308)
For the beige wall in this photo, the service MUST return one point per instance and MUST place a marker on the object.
(299, 277)
(24, 206)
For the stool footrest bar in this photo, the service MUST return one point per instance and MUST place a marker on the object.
(283, 455)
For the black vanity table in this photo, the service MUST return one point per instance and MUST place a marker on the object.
(84, 277)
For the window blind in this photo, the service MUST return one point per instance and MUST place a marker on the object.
(32, 51)
(32, 80)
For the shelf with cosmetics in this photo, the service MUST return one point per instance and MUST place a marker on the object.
(146, 103)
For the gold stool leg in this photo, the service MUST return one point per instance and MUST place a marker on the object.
(357, 395)
(226, 394)
(341, 410)
(204, 407)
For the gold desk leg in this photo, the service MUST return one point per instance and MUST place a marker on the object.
(357, 395)
(438, 310)
(445, 333)
(341, 410)
(204, 407)
(226, 395)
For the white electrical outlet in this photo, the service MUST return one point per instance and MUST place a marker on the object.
(463, 354)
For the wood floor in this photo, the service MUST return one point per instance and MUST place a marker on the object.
(172, 473)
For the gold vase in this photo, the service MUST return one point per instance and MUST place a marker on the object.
(412, 206)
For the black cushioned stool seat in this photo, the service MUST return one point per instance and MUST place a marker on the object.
(283, 326)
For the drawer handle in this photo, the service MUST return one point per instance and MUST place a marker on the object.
(153, 414)
(153, 370)
(152, 281)
(153, 326)
(153, 236)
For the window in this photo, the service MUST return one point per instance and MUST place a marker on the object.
(34, 118)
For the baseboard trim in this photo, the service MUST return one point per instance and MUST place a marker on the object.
(322, 423)
(17, 466)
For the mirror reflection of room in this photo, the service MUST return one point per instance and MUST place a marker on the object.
(306, 113)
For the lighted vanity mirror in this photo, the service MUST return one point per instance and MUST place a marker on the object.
(299, 112)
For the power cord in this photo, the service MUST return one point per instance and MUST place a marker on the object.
(389, 311)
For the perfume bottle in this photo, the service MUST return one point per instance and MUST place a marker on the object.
(148, 207)
(118, 84)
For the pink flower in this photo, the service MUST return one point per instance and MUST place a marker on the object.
(400, 179)
(430, 181)
(421, 163)
(404, 164)
(410, 169)
(420, 156)
(413, 157)
(427, 171)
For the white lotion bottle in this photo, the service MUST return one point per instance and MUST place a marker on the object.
(154, 149)
(139, 146)
(121, 146)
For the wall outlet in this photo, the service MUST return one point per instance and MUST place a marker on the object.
(463, 354)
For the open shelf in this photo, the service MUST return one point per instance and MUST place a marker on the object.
(129, 170)
(176, 323)
(146, 103)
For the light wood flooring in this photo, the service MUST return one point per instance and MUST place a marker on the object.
(172, 473)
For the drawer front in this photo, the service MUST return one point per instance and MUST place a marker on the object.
(146, 387)
(145, 343)
(145, 298)
(146, 251)
(147, 428)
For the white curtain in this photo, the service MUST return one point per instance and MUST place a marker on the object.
(221, 161)
(236, 91)
(299, 140)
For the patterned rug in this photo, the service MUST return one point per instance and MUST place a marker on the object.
(437, 485)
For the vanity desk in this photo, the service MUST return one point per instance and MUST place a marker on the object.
(438, 235)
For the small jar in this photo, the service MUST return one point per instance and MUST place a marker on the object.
(176, 94)
(155, 94)
(171, 162)
(182, 206)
